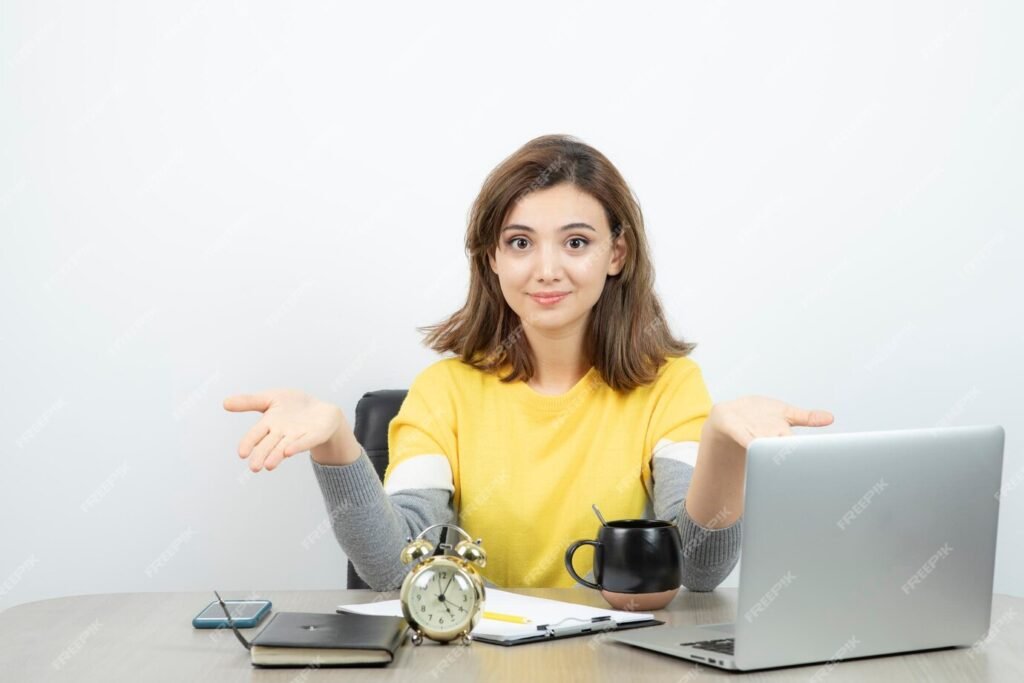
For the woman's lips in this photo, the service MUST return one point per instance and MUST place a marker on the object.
(548, 300)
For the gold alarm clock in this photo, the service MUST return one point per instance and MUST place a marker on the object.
(443, 595)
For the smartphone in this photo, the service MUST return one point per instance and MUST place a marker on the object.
(244, 613)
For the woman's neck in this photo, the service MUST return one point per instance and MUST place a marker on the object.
(559, 360)
(557, 376)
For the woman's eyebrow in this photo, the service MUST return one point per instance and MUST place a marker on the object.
(570, 226)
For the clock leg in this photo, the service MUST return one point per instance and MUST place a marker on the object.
(466, 638)
(417, 636)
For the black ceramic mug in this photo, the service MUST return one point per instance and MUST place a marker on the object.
(637, 563)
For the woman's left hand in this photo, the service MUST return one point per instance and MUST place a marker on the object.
(740, 421)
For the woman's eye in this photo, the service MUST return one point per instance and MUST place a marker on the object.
(512, 242)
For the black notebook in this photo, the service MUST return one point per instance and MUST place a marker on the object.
(310, 639)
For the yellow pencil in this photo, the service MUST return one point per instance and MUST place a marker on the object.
(506, 617)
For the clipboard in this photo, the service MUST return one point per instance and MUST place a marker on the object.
(580, 628)
(549, 619)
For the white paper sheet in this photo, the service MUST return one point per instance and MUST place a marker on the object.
(540, 611)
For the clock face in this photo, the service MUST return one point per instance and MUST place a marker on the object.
(442, 598)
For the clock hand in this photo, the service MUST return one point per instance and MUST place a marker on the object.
(440, 596)
(445, 591)
(440, 599)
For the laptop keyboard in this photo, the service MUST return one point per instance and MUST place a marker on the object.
(723, 645)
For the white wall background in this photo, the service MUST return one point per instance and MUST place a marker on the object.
(200, 199)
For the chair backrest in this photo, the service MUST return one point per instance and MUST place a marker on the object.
(374, 413)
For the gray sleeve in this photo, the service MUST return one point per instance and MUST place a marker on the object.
(709, 554)
(372, 526)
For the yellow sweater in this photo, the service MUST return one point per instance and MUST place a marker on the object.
(524, 467)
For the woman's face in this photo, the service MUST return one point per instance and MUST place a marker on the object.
(556, 240)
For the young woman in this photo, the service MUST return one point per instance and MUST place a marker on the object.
(566, 389)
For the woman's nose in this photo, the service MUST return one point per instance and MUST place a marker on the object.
(550, 264)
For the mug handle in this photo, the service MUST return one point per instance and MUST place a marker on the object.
(568, 561)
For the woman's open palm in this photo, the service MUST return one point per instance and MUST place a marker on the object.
(746, 418)
(292, 422)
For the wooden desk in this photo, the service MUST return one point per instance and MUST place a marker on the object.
(149, 637)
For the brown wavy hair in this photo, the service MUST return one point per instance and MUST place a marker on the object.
(627, 338)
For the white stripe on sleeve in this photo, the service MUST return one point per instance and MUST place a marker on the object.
(421, 472)
(683, 451)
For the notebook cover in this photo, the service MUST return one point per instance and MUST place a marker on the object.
(347, 631)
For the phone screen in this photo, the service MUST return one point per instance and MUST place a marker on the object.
(237, 610)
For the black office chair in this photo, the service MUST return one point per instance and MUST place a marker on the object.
(374, 413)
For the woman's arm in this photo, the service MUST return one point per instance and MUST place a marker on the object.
(700, 486)
(716, 494)
(372, 526)
(715, 498)
(341, 449)
(710, 551)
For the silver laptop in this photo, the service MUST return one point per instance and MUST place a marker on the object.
(856, 545)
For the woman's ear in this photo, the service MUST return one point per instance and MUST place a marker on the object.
(618, 260)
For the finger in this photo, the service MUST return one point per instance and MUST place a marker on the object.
(262, 450)
(252, 437)
(243, 402)
(302, 443)
(798, 417)
(279, 453)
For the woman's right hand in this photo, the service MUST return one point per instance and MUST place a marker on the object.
(292, 422)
